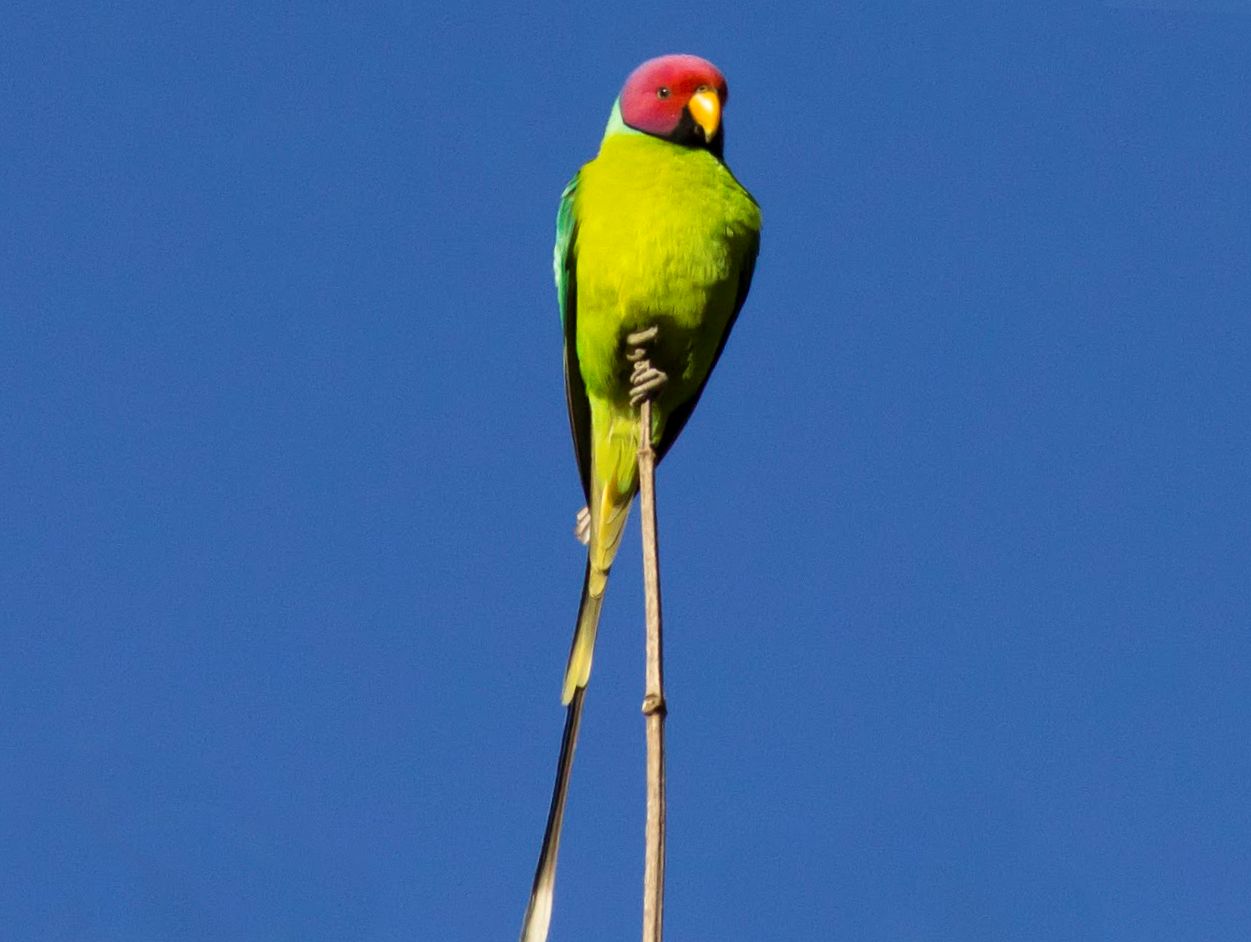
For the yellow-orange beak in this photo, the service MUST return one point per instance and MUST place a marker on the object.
(705, 108)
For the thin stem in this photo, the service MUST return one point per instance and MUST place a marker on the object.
(654, 697)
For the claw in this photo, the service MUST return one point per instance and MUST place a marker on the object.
(642, 336)
(644, 382)
(582, 526)
(645, 379)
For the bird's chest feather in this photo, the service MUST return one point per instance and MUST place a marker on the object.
(661, 242)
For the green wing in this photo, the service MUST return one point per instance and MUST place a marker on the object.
(566, 269)
(677, 418)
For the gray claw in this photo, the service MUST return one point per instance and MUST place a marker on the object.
(645, 382)
(645, 378)
(643, 336)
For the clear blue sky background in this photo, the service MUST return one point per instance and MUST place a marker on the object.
(956, 548)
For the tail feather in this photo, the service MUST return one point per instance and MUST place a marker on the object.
(578, 669)
(539, 912)
(608, 520)
(614, 484)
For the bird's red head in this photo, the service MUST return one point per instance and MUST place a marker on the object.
(678, 98)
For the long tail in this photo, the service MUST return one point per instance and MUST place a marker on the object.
(613, 474)
(539, 911)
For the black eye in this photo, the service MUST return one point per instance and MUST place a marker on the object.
(662, 92)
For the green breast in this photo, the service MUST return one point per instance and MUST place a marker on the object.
(664, 233)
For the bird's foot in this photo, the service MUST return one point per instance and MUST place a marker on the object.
(582, 526)
(645, 379)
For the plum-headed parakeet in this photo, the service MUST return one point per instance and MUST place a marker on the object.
(655, 246)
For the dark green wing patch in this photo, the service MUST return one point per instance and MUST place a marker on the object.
(678, 417)
(566, 269)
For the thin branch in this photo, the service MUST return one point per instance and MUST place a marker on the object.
(654, 697)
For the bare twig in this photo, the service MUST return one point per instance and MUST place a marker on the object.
(654, 697)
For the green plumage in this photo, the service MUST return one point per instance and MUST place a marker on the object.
(649, 234)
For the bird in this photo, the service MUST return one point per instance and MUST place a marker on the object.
(656, 244)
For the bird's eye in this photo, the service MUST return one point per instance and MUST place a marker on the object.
(662, 92)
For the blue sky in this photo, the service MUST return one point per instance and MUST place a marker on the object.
(956, 547)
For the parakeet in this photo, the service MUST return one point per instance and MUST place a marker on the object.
(656, 243)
